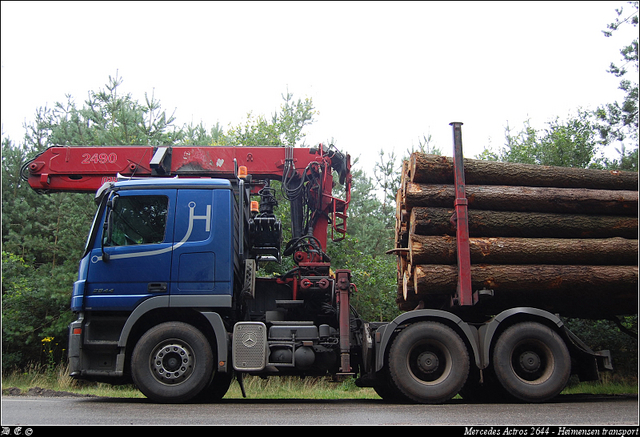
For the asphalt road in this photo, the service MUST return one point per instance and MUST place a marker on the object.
(568, 410)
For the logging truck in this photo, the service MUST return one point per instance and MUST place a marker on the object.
(169, 294)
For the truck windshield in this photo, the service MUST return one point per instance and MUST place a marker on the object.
(94, 227)
(138, 220)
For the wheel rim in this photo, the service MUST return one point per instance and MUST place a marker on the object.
(429, 362)
(532, 361)
(172, 362)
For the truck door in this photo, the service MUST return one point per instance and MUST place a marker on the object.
(203, 248)
(131, 257)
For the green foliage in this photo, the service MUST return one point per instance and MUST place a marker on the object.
(370, 219)
(33, 309)
(387, 173)
(582, 140)
(605, 334)
(374, 275)
(43, 235)
(199, 136)
(618, 121)
(285, 128)
(376, 280)
(425, 145)
(292, 119)
(570, 143)
(106, 118)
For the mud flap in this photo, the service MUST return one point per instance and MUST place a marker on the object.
(587, 363)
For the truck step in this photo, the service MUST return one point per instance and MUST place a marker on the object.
(101, 344)
(289, 303)
(292, 323)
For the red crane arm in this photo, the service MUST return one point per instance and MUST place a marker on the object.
(87, 168)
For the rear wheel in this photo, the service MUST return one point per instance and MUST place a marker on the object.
(172, 363)
(489, 391)
(531, 362)
(428, 362)
(389, 392)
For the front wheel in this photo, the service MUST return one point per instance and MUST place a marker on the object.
(531, 362)
(172, 363)
(217, 388)
(428, 362)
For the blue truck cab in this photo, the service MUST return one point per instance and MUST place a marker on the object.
(156, 245)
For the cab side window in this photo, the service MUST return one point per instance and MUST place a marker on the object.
(139, 220)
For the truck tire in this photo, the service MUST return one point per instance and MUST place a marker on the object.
(428, 362)
(172, 363)
(490, 391)
(531, 362)
(217, 388)
(390, 393)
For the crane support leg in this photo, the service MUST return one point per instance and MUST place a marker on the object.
(343, 281)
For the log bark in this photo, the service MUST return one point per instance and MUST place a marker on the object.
(438, 279)
(438, 221)
(439, 169)
(402, 219)
(404, 177)
(501, 250)
(574, 291)
(517, 198)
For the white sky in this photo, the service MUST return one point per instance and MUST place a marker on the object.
(380, 74)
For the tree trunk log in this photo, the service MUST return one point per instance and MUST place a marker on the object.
(555, 238)
(404, 177)
(514, 198)
(442, 250)
(574, 291)
(438, 279)
(402, 219)
(438, 221)
(439, 169)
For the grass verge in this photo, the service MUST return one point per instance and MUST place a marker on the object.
(57, 379)
(296, 388)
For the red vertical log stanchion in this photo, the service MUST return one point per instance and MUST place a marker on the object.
(464, 294)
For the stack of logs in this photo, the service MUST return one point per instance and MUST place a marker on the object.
(560, 239)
